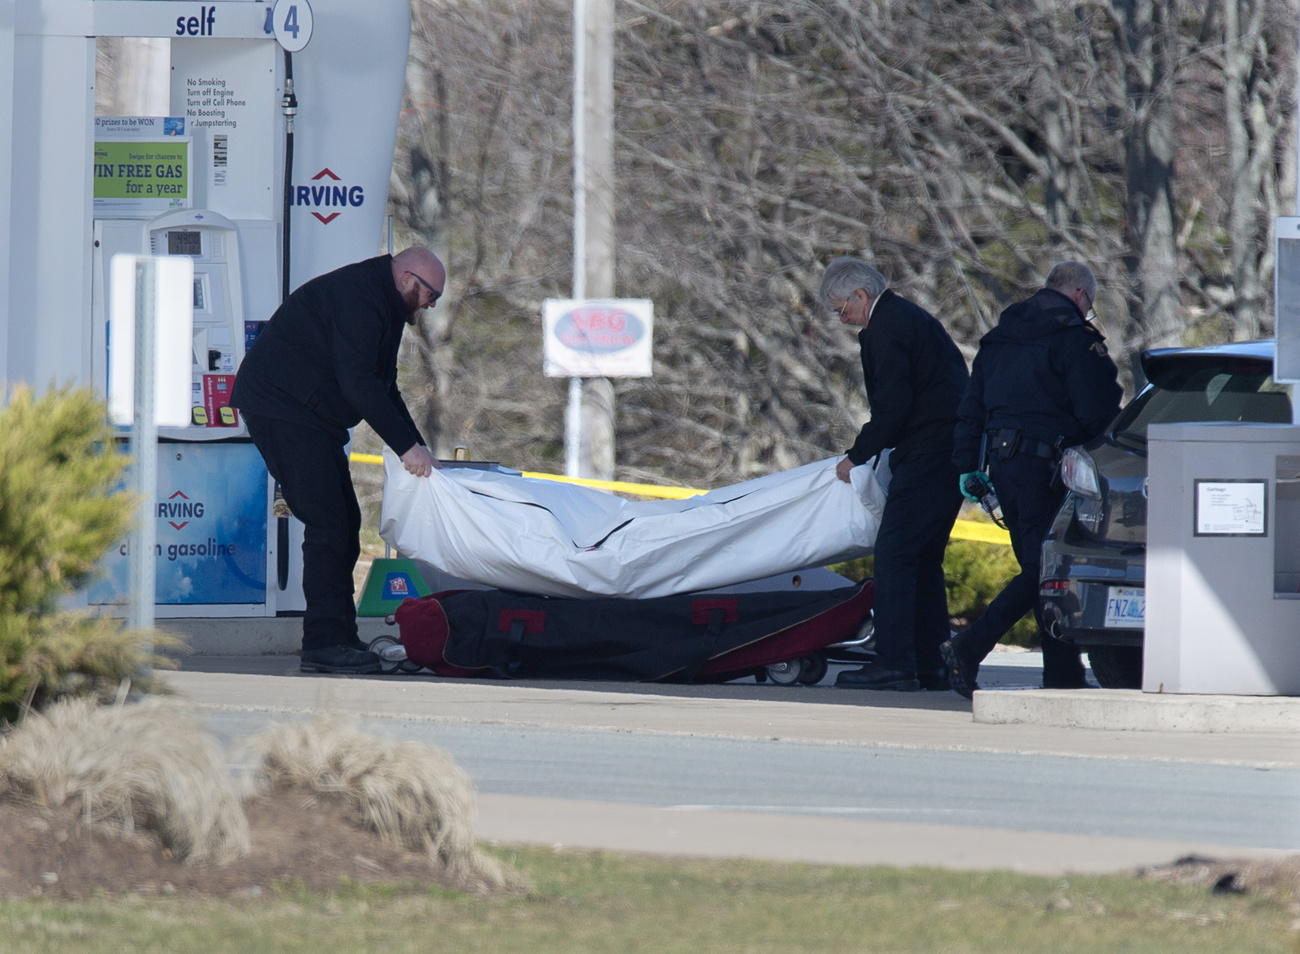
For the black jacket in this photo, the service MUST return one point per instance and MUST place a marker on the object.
(1044, 371)
(914, 376)
(328, 356)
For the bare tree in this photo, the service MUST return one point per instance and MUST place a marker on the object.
(1255, 33)
(962, 145)
(1149, 51)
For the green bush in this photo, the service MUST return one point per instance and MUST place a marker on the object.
(975, 573)
(60, 509)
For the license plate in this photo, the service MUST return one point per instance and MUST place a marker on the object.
(1126, 607)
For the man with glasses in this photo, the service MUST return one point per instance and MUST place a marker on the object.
(1042, 381)
(914, 377)
(326, 360)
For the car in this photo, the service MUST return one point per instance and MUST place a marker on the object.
(1092, 584)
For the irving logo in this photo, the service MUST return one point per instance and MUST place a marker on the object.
(179, 505)
(328, 193)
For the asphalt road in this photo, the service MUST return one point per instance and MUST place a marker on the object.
(809, 773)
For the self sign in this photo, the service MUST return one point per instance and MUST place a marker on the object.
(197, 26)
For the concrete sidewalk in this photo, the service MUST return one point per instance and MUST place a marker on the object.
(1010, 697)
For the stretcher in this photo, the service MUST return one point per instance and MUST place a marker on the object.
(785, 636)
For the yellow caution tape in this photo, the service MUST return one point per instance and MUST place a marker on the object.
(980, 532)
(975, 530)
(623, 487)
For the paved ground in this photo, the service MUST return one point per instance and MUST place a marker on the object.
(235, 693)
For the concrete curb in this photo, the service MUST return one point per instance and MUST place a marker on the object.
(1134, 710)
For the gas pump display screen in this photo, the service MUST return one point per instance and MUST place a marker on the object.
(184, 242)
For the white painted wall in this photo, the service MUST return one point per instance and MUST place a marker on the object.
(50, 226)
(6, 175)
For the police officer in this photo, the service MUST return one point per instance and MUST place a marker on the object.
(1041, 381)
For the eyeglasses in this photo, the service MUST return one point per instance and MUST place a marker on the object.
(1090, 300)
(434, 293)
(839, 310)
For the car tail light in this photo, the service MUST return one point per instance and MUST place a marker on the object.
(1053, 587)
(1080, 473)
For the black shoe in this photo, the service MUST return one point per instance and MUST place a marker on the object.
(936, 680)
(339, 659)
(962, 667)
(872, 676)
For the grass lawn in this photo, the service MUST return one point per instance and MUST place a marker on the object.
(587, 901)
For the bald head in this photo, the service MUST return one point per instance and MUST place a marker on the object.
(420, 278)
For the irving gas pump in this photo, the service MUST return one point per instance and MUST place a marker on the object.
(262, 153)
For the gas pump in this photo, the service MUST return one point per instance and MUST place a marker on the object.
(207, 179)
(212, 241)
(212, 513)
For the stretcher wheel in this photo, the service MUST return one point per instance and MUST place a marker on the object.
(390, 665)
(785, 673)
(814, 669)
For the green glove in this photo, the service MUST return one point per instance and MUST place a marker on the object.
(973, 485)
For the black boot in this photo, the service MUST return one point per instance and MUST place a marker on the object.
(872, 676)
(963, 665)
(339, 659)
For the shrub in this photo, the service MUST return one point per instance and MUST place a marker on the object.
(976, 572)
(60, 509)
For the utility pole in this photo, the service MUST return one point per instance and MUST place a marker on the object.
(589, 419)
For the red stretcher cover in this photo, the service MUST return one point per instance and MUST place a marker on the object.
(708, 636)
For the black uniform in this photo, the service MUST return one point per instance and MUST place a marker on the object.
(326, 360)
(914, 376)
(1041, 381)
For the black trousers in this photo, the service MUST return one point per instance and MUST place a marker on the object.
(312, 469)
(1030, 497)
(911, 599)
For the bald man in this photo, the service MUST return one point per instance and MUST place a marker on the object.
(326, 360)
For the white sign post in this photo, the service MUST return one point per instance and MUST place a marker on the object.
(149, 384)
(594, 338)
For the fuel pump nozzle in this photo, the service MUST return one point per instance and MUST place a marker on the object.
(289, 104)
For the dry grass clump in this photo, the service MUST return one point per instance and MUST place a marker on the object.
(145, 766)
(148, 768)
(411, 794)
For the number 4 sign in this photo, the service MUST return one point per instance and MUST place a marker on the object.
(292, 22)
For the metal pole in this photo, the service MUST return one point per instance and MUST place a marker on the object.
(589, 419)
(573, 412)
(573, 430)
(144, 437)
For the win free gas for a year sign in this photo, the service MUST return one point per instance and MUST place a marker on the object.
(142, 166)
(598, 338)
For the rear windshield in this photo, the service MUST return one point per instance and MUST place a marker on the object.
(1232, 391)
